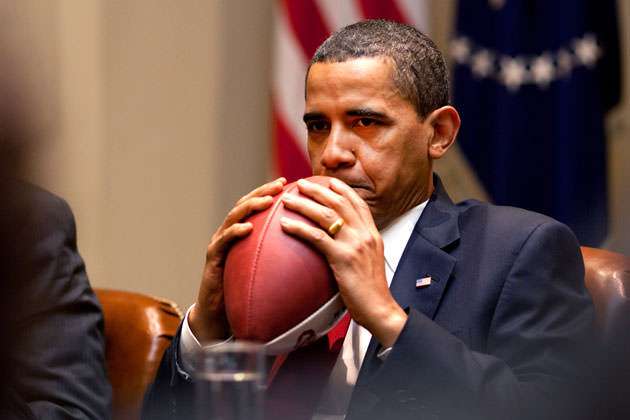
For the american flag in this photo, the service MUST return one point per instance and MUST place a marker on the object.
(300, 27)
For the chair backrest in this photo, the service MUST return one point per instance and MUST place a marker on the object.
(607, 279)
(138, 329)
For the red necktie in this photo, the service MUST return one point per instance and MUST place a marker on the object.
(297, 379)
(338, 333)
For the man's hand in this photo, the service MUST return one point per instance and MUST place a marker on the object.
(355, 254)
(207, 319)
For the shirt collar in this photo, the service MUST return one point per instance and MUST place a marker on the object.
(396, 235)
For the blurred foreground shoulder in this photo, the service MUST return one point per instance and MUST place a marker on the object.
(54, 357)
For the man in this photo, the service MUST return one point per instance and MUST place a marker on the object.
(53, 352)
(52, 357)
(484, 303)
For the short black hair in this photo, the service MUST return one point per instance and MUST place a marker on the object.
(420, 71)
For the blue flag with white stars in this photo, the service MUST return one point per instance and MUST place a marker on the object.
(533, 80)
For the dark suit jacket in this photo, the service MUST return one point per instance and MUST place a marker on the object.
(493, 336)
(53, 352)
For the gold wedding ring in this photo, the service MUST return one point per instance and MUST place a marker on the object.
(336, 227)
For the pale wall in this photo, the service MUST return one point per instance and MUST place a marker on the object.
(157, 120)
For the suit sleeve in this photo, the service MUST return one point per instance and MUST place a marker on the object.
(57, 360)
(542, 316)
(170, 396)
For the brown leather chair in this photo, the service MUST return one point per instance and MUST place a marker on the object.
(138, 329)
(608, 281)
(608, 369)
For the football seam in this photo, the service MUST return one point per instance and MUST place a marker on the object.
(250, 292)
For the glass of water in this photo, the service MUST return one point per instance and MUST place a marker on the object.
(230, 382)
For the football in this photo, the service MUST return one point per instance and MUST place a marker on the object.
(278, 289)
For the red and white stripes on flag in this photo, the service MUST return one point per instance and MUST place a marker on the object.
(300, 27)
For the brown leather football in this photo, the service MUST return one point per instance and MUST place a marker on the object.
(273, 281)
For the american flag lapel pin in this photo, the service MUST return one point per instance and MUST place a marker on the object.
(423, 282)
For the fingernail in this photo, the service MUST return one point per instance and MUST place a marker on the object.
(284, 221)
(287, 197)
(302, 182)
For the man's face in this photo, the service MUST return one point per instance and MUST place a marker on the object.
(363, 132)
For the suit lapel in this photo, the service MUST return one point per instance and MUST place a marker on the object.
(426, 255)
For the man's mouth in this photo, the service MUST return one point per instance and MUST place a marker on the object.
(364, 192)
(361, 187)
(357, 185)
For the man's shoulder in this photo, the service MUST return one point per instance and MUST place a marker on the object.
(476, 208)
(505, 222)
(34, 211)
(39, 198)
(482, 219)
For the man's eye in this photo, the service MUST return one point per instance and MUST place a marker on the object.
(317, 126)
(366, 122)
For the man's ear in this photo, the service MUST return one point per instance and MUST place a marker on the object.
(445, 122)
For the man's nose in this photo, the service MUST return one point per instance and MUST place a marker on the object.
(339, 151)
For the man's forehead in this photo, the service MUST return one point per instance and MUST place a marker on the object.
(354, 68)
(359, 78)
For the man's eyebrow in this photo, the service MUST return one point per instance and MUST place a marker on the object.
(313, 116)
(366, 112)
(358, 112)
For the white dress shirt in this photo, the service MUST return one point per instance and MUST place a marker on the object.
(344, 375)
(336, 396)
